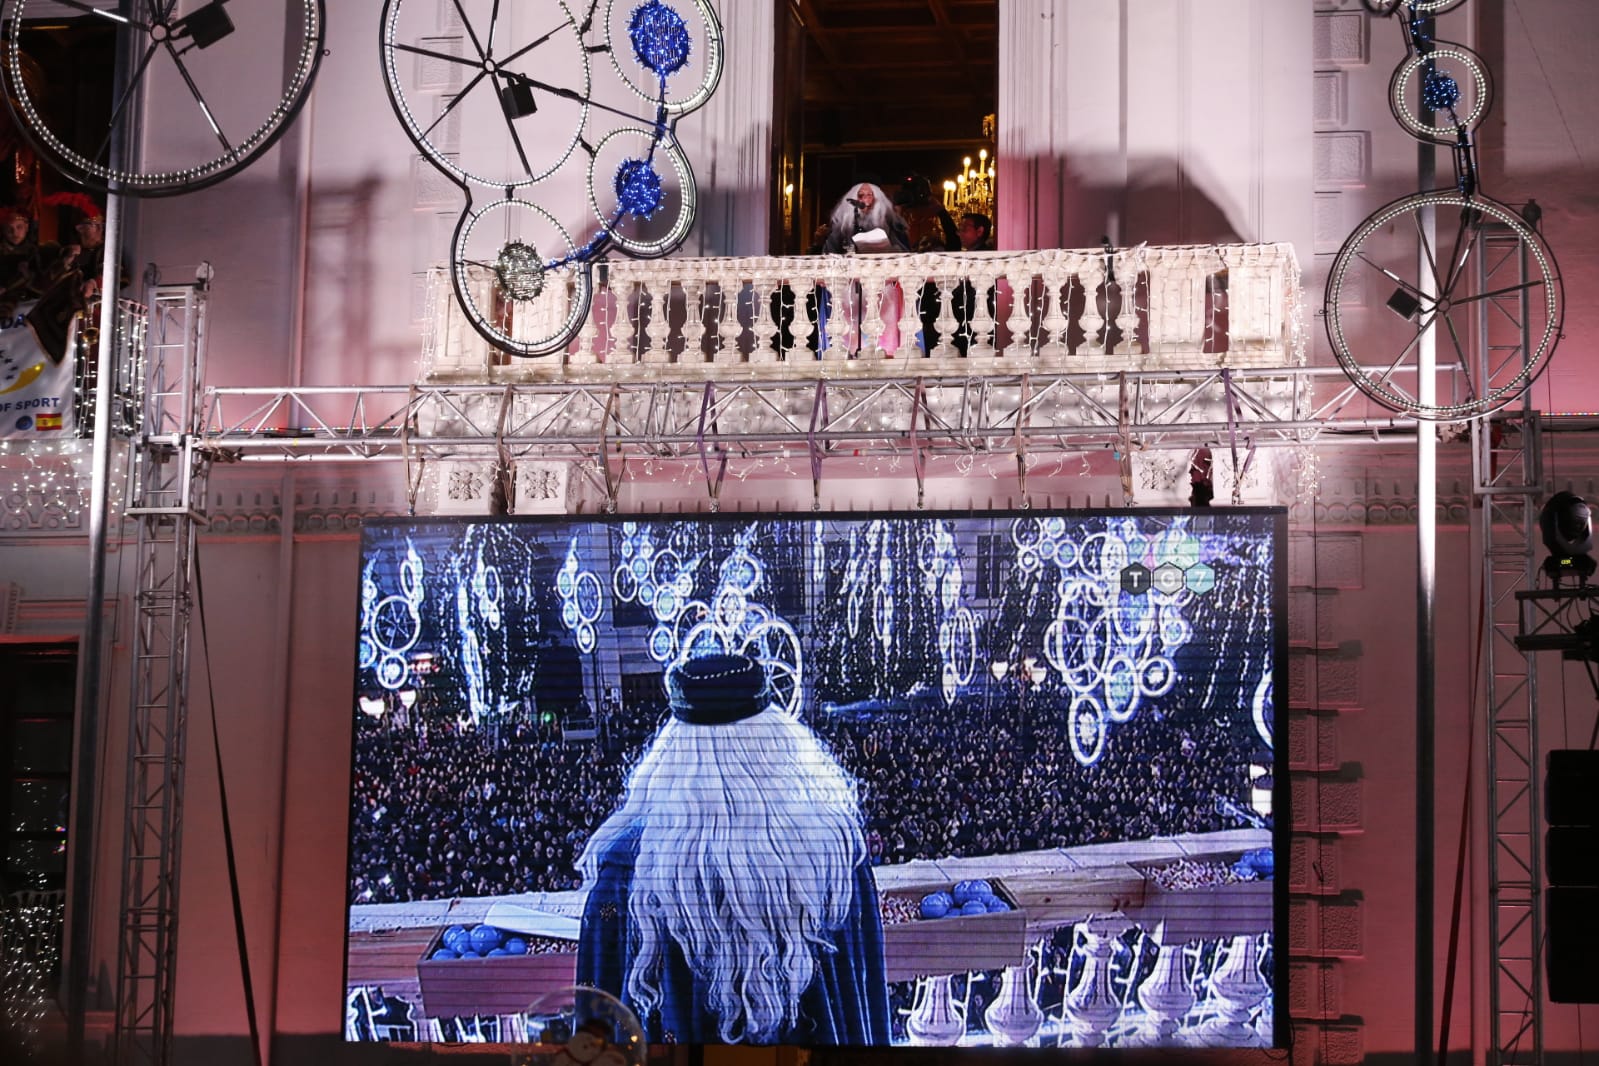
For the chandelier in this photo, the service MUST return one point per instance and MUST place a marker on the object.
(972, 191)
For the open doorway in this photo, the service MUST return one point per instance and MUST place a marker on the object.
(877, 90)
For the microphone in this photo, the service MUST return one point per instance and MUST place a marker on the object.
(858, 205)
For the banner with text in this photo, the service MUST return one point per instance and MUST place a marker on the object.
(36, 380)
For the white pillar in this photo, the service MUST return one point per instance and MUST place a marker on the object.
(1167, 121)
(729, 141)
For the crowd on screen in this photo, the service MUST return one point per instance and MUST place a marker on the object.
(445, 811)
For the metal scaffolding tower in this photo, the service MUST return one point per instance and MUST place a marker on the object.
(1507, 461)
(166, 500)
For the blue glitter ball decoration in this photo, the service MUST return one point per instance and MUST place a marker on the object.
(660, 38)
(1439, 91)
(638, 188)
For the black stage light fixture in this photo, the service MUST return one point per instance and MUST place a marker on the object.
(209, 24)
(1403, 304)
(517, 99)
(1567, 526)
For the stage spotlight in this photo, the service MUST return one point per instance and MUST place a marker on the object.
(1567, 526)
(209, 24)
(517, 99)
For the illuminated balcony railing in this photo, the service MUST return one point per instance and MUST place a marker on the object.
(968, 313)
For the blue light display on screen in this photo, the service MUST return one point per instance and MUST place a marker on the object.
(1039, 748)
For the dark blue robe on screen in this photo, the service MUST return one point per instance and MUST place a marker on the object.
(846, 1003)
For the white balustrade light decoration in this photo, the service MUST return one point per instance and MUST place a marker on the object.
(1054, 310)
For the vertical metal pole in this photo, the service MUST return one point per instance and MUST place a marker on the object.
(85, 777)
(1426, 592)
(85, 796)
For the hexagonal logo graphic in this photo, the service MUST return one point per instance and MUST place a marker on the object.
(1135, 579)
(1167, 578)
(1200, 578)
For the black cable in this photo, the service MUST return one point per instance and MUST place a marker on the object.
(227, 821)
(1593, 679)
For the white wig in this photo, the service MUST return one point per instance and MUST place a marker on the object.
(879, 217)
(750, 834)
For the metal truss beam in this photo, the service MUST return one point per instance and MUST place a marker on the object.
(166, 491)
(1507, 460)
(933, 414)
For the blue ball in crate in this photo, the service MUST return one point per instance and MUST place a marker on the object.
(996, 905)
(1263, 861)
(936, 904)
(966, 891)
(515, 946)
(485, 938)
(454, 936)
(497, 952)
(973, 906)
(445, 953)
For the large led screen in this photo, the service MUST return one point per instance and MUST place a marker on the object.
(986, 779)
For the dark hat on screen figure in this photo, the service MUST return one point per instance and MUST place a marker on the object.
(716, 689)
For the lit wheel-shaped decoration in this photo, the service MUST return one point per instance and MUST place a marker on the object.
(667, 603)
(477, 97)
(962, 638)
(665, 567)
(218, 101)
(517, 300)
(642, 192)
(777, 648)
(728, 608)
(1476, 299)
(1156, 676)
(1434, 94)
(392, 672)
(1174, 631)
(655, 41)
(623, 583)
(1262, 708)
(1086, 730)
(701, 640)
(1419, 7)
(395, 625)
(586, 638)
(588, 598)
(509, 97)
(1121, 688)
(694, 614)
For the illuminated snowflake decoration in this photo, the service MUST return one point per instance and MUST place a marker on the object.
(507, 98)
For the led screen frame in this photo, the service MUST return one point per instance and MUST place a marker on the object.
(554, 654)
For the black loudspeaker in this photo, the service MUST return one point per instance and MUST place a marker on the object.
(1571, 865)
(1571, 787)
(1571, 856)
(1572, 938)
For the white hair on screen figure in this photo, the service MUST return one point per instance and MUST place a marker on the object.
(758, 816)
(878, 216)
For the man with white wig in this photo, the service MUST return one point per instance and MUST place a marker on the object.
(731, 897)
